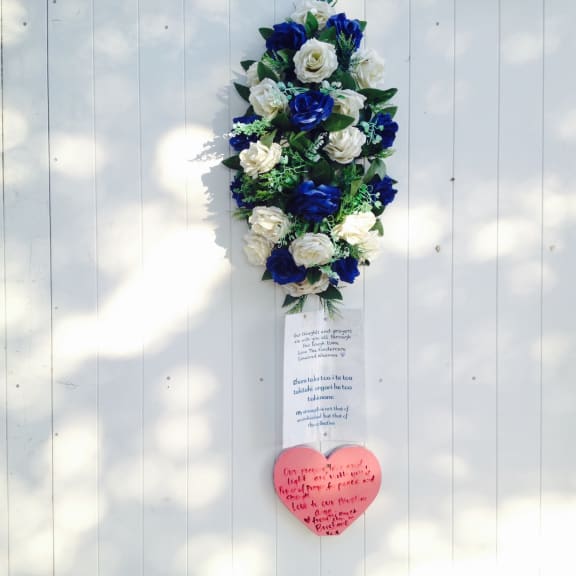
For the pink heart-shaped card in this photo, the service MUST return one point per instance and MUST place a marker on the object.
(327, 494)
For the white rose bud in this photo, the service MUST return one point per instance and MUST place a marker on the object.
(259, 158)
(345, 145)
(297, 289)
(269, 222)
(319, 9)
(257, 248)
(312, 250)
(370, 245)
(367, 68)
(252, 75)
(315, 61)
(349, 103)
(355, 228)
(267, 99)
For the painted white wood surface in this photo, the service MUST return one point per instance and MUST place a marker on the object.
(140, 381)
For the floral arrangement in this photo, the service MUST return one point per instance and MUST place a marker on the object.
(311, 179)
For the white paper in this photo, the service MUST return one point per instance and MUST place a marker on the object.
(324, 392)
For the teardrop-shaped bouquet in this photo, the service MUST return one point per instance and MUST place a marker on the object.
(311, 179)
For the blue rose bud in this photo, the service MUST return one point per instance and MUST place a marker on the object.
(347, 269)
(242, 141)
(286, 36)
(347, 31)
(310, 108)
(282, 267)
(383, 189)
(314, 202)
(386, 128)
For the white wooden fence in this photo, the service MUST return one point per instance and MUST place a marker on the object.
(140, 402)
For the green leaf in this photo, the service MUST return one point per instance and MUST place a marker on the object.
(282, 121)
(331, 307)
(232, 162)
(348, 81)
(266, 32)
(299, 142)
(331, 293)
(266, 275)
(244, 91)
(378, 96)
(378, 227)
(313, 275)
(296, 303)
(390, 110)
(337, 122)
(321, 172)
(289, 300)
(285, 55)
(311, 25)
(362, 24)
(355, 186)
(345, 78)
(328, 35)
(246, 64)
(265, 72)
(268, 138)
(377, 168)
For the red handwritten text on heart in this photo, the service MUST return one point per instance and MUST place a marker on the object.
(327, 494)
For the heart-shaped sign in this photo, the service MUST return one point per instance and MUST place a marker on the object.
(327, 494)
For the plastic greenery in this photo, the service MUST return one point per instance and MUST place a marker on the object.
(309, 154)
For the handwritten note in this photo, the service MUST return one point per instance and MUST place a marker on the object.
(327, 494)
(323, 378)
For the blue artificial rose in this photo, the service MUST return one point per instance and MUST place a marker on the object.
(347, 31)
(310, 108)
(347, 269)
(282, 267)
(286, 36)
(242, 141)
(383, 189)
(314, 202)
(386, 128)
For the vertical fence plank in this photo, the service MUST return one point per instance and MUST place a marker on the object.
(254, 378)
(166, 264)
(28, 288)
(74, 274)
(120, 287)
(519, 287)
(386, 315)
(559, 284)
(430, 286)
(4, 504)
(475, 213)
(210, 372)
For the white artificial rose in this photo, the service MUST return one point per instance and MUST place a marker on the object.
(345, 145)
(269, 222)
(367, 68)
(267, 99)
(257, 248)
(312, 250)
(315, 61)
(319, 9)
(370, 246)
(252, 75)
(355, 228)
(297, 289)
(259, 158)
(349, 103)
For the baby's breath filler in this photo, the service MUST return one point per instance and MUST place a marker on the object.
(310, 178)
